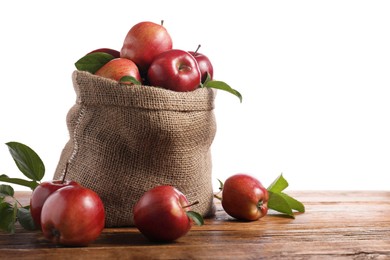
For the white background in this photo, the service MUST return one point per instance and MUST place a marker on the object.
(314, 76)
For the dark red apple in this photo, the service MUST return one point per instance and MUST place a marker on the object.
(114, 53)
(160, 214)
(176, 70)
(73, 216)
(41, 193)
(143, 42)
(204, 64)
(244, 197)
(120, 67)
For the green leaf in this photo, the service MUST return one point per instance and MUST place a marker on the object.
(6, 190)
(196, 217)
(129, 79)
(25, 219)
(278, 185)
(222, 86)
(28, 162)
(278, 203)
(294, 204)
(92, 62)
(7, 217)
(31, 184)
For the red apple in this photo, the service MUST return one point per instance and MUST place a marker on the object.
(114, 53)
(143, 42)
(41, 193)
(176, 70)
(244, 197)
(160, 214)
(204, 64)
(73, 216)
(117, 68)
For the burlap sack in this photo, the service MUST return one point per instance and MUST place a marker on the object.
(125, 140)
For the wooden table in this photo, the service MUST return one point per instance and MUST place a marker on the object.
(336, 225)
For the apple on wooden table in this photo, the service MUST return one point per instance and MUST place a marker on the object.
(244, 197)
(73, 216)
(163, 214)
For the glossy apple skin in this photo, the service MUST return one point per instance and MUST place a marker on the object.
(143, 42)
(176, 70)
(41, 193)
(73, 216)
(114, 53)
(205, 65)
(117, 68)
(159, 214)
(244, 197)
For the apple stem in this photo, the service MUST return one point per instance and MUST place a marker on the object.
(162, 22)
(217, 197)
(66, 171)
(192, 204)
(197, 48)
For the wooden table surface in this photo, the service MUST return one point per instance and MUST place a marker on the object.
(336, 225)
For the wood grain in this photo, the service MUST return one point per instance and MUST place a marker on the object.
(336, 225)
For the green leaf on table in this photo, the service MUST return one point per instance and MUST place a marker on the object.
(278, 185)
(7, 216)
(30, 184)
(92, 62)
(196, 217)
(294, 204)
(129, 79)
(6, 190)
(278, 203)
(222, 86)
(25, 219)
(27, 160)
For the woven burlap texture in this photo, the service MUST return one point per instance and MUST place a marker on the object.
(125, 140)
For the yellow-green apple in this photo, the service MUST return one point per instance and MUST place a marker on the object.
(160, 214)
(73, 216)
(244, 197)
(176, 70)
(204, 64)
(40, 195)
(114, 53)
(143, 42)
(118, 68)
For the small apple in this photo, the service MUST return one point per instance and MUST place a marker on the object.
(244, 197)
(73, 216)
(143, 42)
(161, 214)
(118, 68)
(176, 70)
(204, 64)
(114, 53)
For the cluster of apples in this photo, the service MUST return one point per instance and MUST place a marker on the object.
(67, 213)
(72, 215)
(147, 58)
